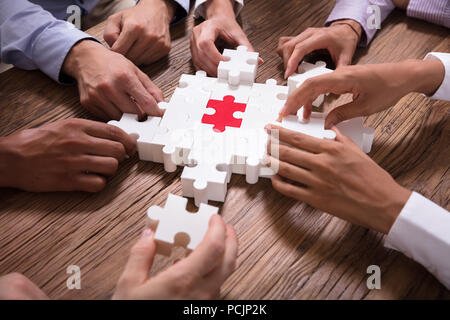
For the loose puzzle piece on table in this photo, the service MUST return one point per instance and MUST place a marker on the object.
(214, 144)
(173, 225)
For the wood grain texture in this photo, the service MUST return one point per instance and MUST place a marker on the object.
(288, 250)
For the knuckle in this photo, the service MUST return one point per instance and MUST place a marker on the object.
(121, 75)
(98, 185)
(113, 165)
(203, 44)
(183, 283)
(218, 247)
(18, 281)
(118, 149)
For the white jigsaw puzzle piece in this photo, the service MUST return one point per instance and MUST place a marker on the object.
(174, 219)
(305, 71)
(142, 131)
(222, 88)
(240, 68)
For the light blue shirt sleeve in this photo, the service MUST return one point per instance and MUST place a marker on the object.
(32, 38)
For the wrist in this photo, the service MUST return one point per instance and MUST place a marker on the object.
(222, 8)
(6, 160)
(393, 208)
(77, 55)
(425, 76)
(351, 24)
(167, 6)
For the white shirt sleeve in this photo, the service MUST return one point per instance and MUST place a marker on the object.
(200, 10)
(443, 92)
(422, 232)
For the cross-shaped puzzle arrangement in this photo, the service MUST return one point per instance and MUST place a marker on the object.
(215, 127)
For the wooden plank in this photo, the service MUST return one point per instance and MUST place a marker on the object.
(288, 250)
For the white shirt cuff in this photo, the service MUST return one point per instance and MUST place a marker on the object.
(422, 232)
(200, 8)
(443, 92)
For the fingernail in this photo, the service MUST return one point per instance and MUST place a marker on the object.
(146, 233)
(268, 128)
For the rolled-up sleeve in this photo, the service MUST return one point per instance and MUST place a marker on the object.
(435, 11)
(31, 38)
(200, 9)
(422, 232)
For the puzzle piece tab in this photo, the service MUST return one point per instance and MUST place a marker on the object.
(240, 67)
(224, 116)
(175, 226)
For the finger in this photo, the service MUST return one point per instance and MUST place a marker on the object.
(290, 190)
(108, 106)
(143, 99)
(297, 139)
(88, 182)
(142, 49)
(302, 49)
(110, 132)
(292, 155)
(125, 41)
(311, 88)
(293, 173)
(344, 59)
(140, 261)
(151, 88)
(97, 112)
(112, 29)
(209, 253)
(106, 166)
(215, 279)
(282, 41)
(120, 97)
(347, 111)
(242, 40)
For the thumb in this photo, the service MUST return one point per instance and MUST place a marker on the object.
(343, 60)
(112, 29)
(347, 111)
(141, 258)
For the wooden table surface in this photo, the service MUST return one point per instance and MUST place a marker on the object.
(288, 250)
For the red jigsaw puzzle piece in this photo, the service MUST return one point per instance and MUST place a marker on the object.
(223, 117)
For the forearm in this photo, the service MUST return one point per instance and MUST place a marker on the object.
(33, 39)
(424, 76)
(219, 7)
(224, 8)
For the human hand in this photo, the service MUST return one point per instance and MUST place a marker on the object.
(15, 286)
(66, 155)
(221, 25)
(109, 84)
(340, 39)
(374, 88)
(141, 33)
(198, 276)
(335, 176)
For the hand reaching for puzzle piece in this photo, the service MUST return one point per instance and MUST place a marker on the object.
(198, 276)
(374, 88)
